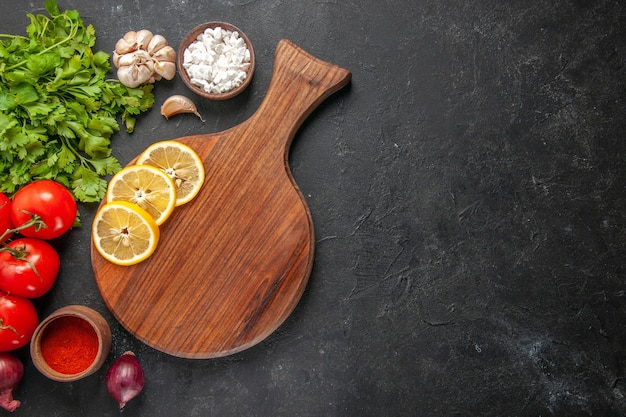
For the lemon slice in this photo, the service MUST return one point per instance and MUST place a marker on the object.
(124, 233)
(146, 186)
(181, 163)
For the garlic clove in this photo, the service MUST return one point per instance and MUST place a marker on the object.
(144, 73)
(116, 59)
(165, 69)
(167, 53)
(121, 47)
(142, 56)
(127, 59)
(125, 75)
(134, 75)
(144, 36)
(157, 42)
(150, 65)
(130, 37)
(127, 43)
(178, 104)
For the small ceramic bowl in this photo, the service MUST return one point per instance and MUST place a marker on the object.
(66, 338)
(191, 37)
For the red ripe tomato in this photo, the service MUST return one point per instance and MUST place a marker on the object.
(28, 267)
(49, 200)
(18, 321)
(5, 216)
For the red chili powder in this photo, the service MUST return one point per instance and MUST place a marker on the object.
(69, 345)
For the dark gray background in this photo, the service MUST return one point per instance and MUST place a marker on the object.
(468, 196)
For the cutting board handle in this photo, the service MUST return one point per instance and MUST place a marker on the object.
(300, 82)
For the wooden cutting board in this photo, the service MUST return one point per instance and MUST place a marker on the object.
(232, 264)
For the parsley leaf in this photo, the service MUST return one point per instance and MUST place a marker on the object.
(58, 110)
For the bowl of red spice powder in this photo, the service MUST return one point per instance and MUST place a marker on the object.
(71, 343)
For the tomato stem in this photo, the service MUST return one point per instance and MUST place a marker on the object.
(20, 253)
(35, 221)
(8, 327)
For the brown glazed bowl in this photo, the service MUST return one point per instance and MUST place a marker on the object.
(58, 318)
(193, 36)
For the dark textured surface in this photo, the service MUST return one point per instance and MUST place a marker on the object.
(468, 194)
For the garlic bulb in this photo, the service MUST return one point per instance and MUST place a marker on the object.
(142, 57)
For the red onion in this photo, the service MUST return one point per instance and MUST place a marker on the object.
(125, 379)
(11, 373)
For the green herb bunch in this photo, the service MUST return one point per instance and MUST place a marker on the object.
(58, 110)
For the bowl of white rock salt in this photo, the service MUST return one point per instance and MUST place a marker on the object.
(216, 60)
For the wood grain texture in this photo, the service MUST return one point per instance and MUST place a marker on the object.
(233, 263)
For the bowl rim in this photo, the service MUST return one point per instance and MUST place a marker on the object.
(192, 36)
(95, 320)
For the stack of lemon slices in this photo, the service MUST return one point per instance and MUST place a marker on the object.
(141, 197)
